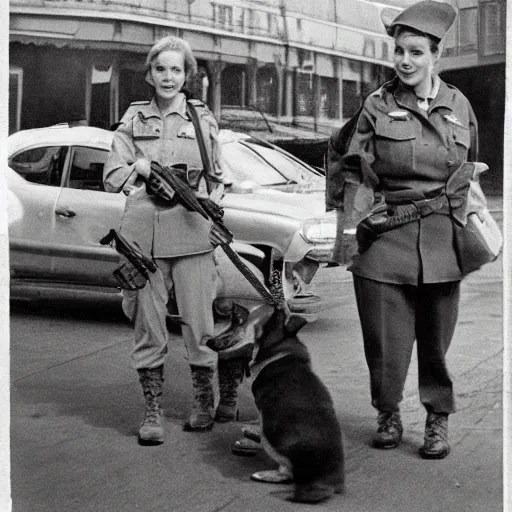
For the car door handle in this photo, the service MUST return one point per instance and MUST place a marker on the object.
(65, 212)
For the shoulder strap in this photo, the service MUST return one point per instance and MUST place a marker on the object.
(207, 164)
(132, 110)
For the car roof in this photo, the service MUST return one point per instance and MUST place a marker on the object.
(65, 135)
(59, 135)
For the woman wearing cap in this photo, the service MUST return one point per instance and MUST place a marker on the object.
(411, 135)
(181, 242)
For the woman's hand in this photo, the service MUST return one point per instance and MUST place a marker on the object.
(142, 167)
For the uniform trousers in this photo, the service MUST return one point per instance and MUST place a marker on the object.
(193, 280)
(392, 317)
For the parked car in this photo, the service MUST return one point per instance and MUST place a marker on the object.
(58, 211)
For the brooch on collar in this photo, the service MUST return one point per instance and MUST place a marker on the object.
(452, 119)
(399, 115)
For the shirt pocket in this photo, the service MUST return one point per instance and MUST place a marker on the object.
(187, 131)
(394, 144)
(147, 134)
(461, 136)
(146, 129)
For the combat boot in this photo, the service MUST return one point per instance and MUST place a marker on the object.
(201, 418)
(389, 431)
(436, 437)
(151, 431)
(230, 373)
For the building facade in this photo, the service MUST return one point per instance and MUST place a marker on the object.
(291, 62)
(304, 63)
(474, 61)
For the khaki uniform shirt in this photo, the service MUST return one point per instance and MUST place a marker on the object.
(167, 139)
(410, 153)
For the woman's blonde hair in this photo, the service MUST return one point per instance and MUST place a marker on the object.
(175, 44)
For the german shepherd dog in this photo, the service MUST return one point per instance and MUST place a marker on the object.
(300, 430)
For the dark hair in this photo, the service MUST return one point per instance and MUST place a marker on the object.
(434, 41)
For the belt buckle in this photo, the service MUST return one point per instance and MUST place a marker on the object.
(427, 206)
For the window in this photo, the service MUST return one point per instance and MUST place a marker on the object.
(233, 85)
(266, 90)
(304, 94)
(351, 99)
(40, 165)
(15, 96)
(241, 19)
(132, 87)
(468, 30)
(493, 27)
(266, 166)
(101, 77)
(223, 15)
(329, 102)
(385, 51)
(272, 23)
(87, 168)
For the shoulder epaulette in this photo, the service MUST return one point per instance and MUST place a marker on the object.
(196, 103)
(384, 87)
(132, 110)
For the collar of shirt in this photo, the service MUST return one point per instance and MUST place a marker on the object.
(424, 103)
(180, 108)
(405, 96)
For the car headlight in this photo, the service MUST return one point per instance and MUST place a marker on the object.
(320, 230)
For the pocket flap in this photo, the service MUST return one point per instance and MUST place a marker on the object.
(146, 128)
(395, 129)
(462, 136)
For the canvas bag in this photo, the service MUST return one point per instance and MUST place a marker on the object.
(477, 234)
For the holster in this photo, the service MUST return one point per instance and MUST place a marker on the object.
(133, 271)
(385, 218)
(128, 277)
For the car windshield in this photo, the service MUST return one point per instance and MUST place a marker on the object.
(248, 159)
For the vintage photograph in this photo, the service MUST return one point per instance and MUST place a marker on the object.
(256, 255)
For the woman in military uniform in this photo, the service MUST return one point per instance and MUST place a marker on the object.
(181, 242)
(410, 137)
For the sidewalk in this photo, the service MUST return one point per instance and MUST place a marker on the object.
(76, 406)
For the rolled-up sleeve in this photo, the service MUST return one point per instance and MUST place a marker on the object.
(120, 163)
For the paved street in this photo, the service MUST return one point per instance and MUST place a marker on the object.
(76, 406)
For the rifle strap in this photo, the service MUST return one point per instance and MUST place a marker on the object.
(230, 253)
(249, 275)
(207, 164)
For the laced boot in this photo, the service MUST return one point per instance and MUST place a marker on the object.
(151, 431)
(436, 437)
(389, 432)
(231, 372)
(201, 418)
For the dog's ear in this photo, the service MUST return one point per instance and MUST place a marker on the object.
(293, 324)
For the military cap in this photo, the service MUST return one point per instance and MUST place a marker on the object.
(429, 17)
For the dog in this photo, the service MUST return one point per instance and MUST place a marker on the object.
(299, 428)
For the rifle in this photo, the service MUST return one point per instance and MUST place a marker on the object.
(133, 274)
(166, 184)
